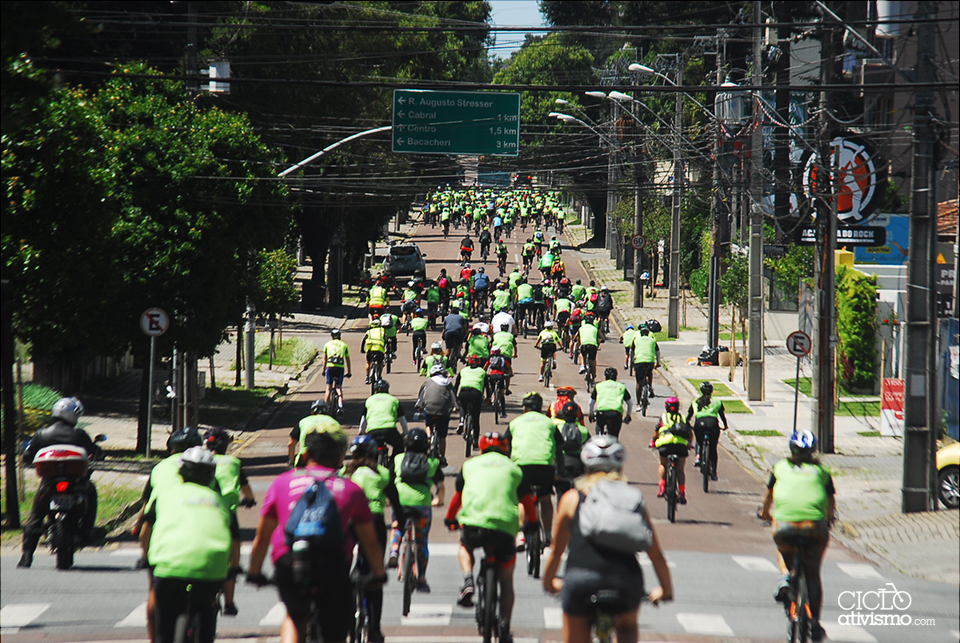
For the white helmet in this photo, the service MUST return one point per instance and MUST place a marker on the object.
(548, 324)
(603, 453)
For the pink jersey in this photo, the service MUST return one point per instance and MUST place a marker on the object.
(287, 489)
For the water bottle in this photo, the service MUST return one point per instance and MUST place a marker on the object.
(301, 562)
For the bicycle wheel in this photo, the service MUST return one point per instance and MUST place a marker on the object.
(547, 372)
(644, 400)
(671, 492)
(497, 399)
(705, 468)
(534, 552)
(490, 616)
(800, 615)
(361, 622)
(389, 361)
(406, 567)
(468, 435)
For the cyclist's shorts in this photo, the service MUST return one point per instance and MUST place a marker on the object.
(547, 350)
(453, 340)
(679, 450)
(526, 301)
(419, 337)
(589, 351)
(335, 375)
(172, 595)
(562, 318)
(580, 584)
(818, 530)
(333, 602)
(409, 306)
(389, 437)
(539, 476)
(440, 424)
(502, 545)
(374, 356)
(642, 370)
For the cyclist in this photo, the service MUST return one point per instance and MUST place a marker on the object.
(578, 292)
(607, 403)
(604, 306)
(320, 419)
(671, 437)
(445, 285)
(592, 569)
(801, 494)
(501, 298)
(478, 344)
(485, 240)
(574, 435)
(433, 302)
(470, 384)
(546, 264)
(574, 324)
(445, 221)
(538, 240)
(489, 488)
(539, 307)
(535, 442)
(419, 325)
(646, 357)
(525, 303)
(629, 334)
(454, 332)
(188, 538)
(501, 252)
(466, 249)
(565, 289)
(327, 587)
(462, 295)
(383, 412)
(435, 357)
(389, 324)
(565, 394)
(707, 414)
(547, 341)
(589, 341)
(379, 486)
(527, 252)
(336, 355)
(558, 270)
(498, 368)
(378, 299)
(374, 344)
(410, 301)
(438, 400)
(481, 282)
(497, 228)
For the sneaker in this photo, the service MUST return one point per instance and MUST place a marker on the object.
(465, 598)
(460, 428)
(713, 476)
(817, 633)
(583, 369)
(375, 636)
(541, 379)
(652, 395)
(367, 380)
(422, 586)
(782, 595)
(393, 561)
(521, 541)
(637, 409)
(230, 609)
(696, 462)
(661, 488)
(25, 560)
(554, 364)
(682, 498)
(505, 635)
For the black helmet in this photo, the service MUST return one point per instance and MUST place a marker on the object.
(364, 446)
(197, 465)
(183, 439)
(416, 440)
(610, 373)
(381, 386)
(319, 407)
(706, 388)
(533, 401)
(217, 439)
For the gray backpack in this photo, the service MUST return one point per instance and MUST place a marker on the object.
(612, 516)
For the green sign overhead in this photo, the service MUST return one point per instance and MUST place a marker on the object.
(471, 123)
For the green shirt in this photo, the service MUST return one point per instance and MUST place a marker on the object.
(374, 485)
(336, 352)
(563, 305)
(228, 477)
(711, 410)
(415, 495)
(489, 495)
(524, 291)
(478, 345)
(533, 441)
(165, 474)
(629, 336)
(501, 299)
(800, 491)
(644, 349)
(419, 323)
(505, 341)
(611, 395)
(191, 533)
(381, 411)
(548, 336)
(589, 335)
(472, 377)
(428, 364)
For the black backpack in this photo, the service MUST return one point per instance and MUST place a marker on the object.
(414, 468)
(572, 442)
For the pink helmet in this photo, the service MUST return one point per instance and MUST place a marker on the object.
(672, 405)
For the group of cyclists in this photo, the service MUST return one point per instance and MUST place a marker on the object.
(503, 494)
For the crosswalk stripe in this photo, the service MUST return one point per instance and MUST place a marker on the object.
(848, 633)
(136, 618)
(645, 560)
(275, 616)
(428, 614)
(755, 564)
(444, 549)
(553, 618)
(15, 615)
(127, 551)
(711, 624)
(859, 570)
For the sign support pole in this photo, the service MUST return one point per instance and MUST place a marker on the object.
(153, 353)
(796, 395)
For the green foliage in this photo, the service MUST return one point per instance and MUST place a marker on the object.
(276, 290)
(857, 326)
(735, 282)
(795, 266)
(700, 282)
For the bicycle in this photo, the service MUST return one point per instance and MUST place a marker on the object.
(534, 539)
(645, 392)
(502, 265)
(418, 356)
(672, 493)
(547, 371)
(488, 599)
(484, 253)
(189, 625)
(388, 359)
(499, 400)
(336, 398)
(588, 377)
(408, 568)
(376, 374)
(705, 464)
(606, 602)
(471, 433)
(360, 632)
(798, 607)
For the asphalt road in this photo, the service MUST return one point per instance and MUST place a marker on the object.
(721, 557)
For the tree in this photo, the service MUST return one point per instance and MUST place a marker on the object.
(857, 326)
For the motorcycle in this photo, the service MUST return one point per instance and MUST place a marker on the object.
(63, 469)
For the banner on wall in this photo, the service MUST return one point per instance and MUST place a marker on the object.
(891, 407)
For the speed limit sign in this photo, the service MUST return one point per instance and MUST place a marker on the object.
(799, 343)
(638, 242)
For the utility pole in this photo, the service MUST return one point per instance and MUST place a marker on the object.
(721, 226)
(919, 406)
(755, 338)
(673, 311)
(824, 375)
(638, 178)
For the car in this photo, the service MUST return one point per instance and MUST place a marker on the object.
(948, 475)
(405, 260)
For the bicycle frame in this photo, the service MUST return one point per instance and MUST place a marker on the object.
(488, 603)
(672, 493)
(407, 570)
(798, 609)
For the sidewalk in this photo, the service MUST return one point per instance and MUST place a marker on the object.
(867, 469)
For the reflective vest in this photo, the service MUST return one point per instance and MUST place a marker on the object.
(524, 291)
(664, 434)
(533, 439)
(381, 411)
(644, 349)
(610, 396)
(489, 496)
(589, 335)
(548, 336)
(336, 352)
(374, 485)
(711, 410)
(504, 340)
(501, 300)
(376, 340)
(800, 491)
(419, 323)
(472, 377)
(478, 345)
(377, 297)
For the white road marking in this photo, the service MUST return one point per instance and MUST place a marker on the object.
(859, 570)
(127, 551)
(136, 618)
(553, 618)
(275, 616)
(428, 614)
(444, 549)
(955, 634)
(849, 633)
(710, 624)
(756, 564)
(645, 560)
(245, 550)
(16, 615)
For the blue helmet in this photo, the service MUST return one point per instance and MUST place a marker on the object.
(364, 446)
(802, 442)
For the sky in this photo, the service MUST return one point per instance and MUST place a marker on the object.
(513, 13)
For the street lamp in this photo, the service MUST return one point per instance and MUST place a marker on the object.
(673, 310)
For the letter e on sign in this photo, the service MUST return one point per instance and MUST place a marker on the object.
(799, 343)
(154, 322)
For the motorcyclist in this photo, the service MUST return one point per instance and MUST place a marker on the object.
(66, 411)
